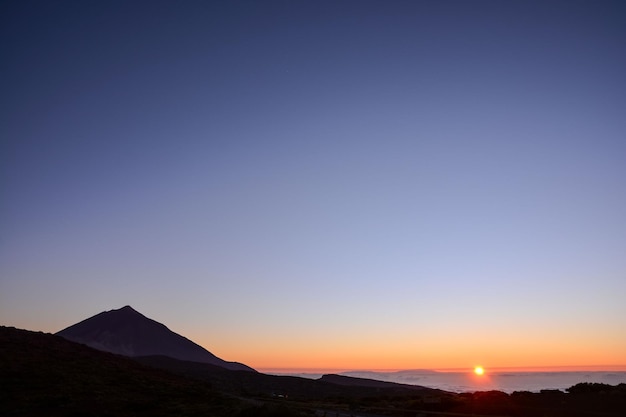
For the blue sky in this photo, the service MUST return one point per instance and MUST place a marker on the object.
(388, 177)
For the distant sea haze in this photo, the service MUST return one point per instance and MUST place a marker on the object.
(500, 380)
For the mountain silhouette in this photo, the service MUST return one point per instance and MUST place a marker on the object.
(127, 332)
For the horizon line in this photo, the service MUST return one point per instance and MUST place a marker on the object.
(469, 369)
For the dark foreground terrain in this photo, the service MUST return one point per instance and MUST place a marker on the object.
(46, 375)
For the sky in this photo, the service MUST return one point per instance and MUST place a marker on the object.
(321, 184)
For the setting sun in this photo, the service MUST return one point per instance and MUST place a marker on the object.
(479, 370)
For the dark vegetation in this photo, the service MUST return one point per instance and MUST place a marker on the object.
(43, 374)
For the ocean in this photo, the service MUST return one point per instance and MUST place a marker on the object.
(499, 380)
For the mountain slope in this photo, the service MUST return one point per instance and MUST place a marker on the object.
(128, 332)
(42, 374)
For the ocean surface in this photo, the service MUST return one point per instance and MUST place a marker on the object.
(501, 381)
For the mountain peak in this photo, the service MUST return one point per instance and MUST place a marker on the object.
(125, 309)
(125, 331)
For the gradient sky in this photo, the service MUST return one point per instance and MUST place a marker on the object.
(317, 184)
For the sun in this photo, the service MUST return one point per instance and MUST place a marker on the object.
(479, 370)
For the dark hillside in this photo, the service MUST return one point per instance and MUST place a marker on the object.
(259, 385)
(351, 381)
(42, 374)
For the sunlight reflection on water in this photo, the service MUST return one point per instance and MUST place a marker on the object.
(502, 381)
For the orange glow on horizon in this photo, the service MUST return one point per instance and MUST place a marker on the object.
(338, 363)
(319, 353)
(518, 369)
(479, 370)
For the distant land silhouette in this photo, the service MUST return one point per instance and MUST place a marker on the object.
(127, 332)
